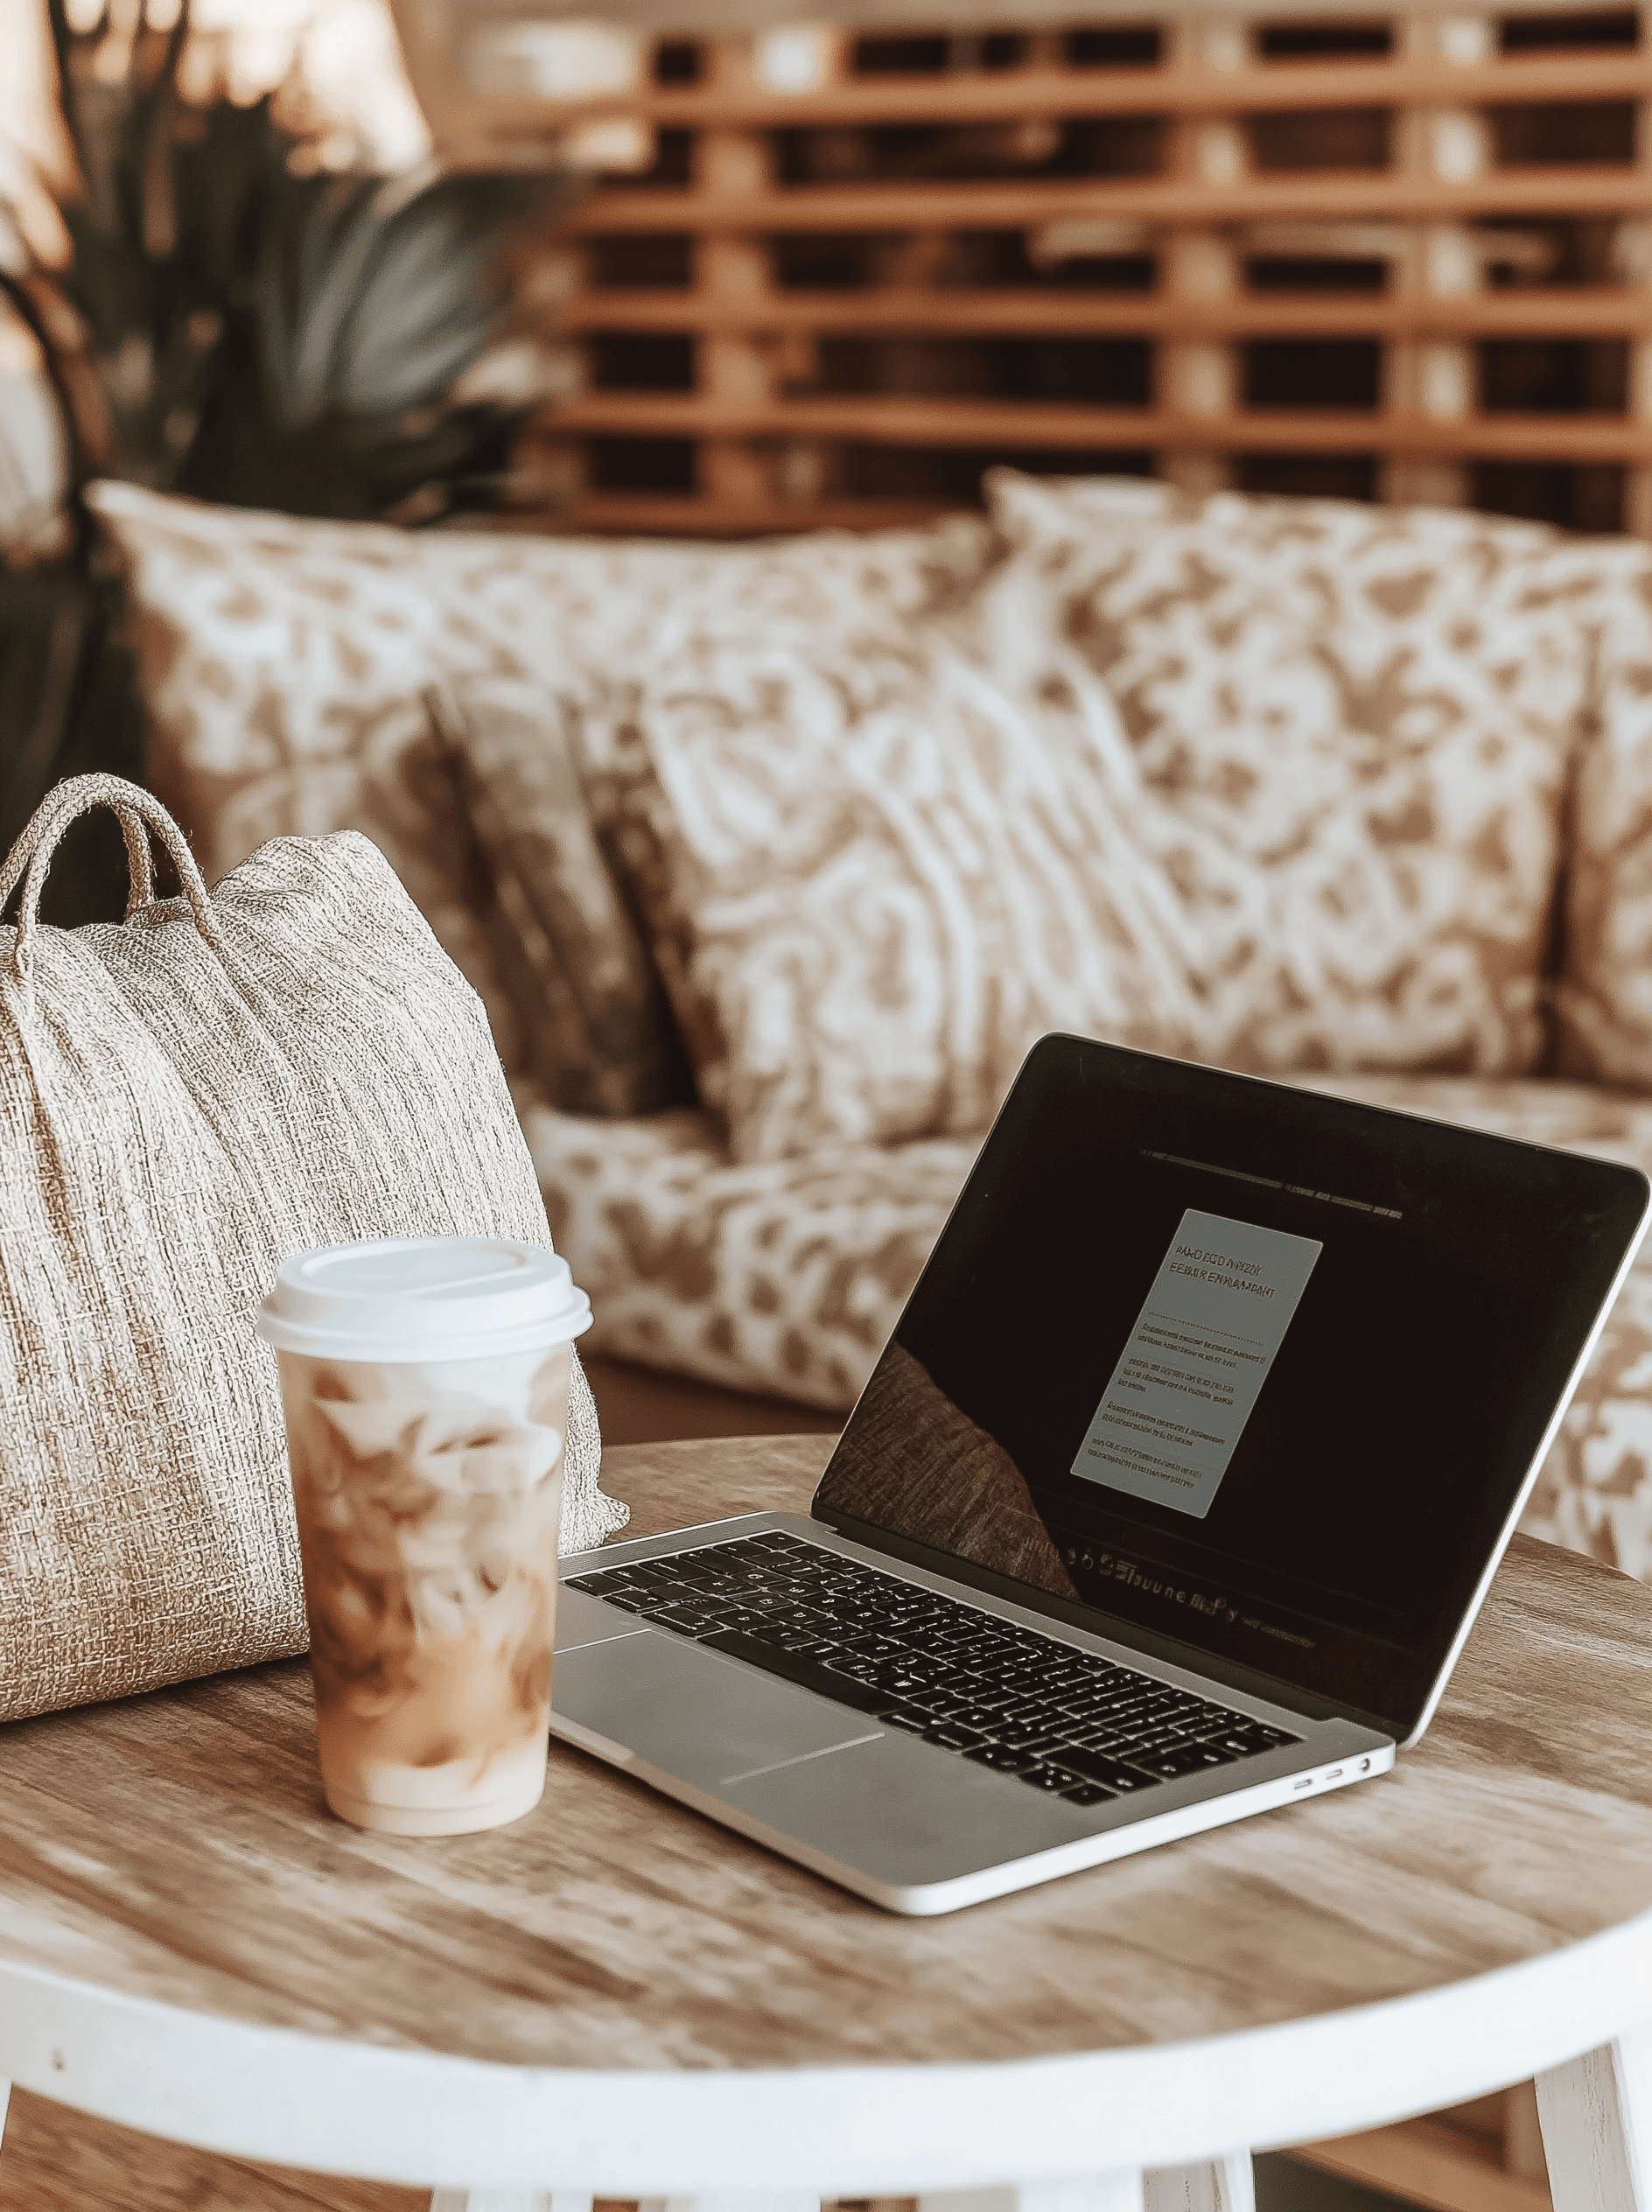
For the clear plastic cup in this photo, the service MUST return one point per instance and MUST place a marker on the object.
(424, 1383)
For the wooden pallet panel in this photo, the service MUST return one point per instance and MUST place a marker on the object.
(1408, 259)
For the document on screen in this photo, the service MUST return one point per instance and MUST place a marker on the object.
(1194, 1364)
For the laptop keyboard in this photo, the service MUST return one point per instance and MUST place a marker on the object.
(1063, 1721)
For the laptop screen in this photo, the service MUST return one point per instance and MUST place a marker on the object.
(1256, 1370)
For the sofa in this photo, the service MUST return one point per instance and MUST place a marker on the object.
(770, 860)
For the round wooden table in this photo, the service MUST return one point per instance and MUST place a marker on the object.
(616, 1996)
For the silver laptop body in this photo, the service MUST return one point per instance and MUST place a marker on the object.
(1331, 1343)
(912, 1825)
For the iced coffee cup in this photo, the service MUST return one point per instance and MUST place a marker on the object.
(425, 1382)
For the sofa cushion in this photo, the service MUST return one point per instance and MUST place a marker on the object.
(284, 661)
(788, 1278)
(1359, 723)
(1604, 999)
(596, 1026)
(784, 1278)
(1275, 784)
(875, 877)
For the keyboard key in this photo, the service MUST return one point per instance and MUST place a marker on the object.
(905, 1716)
(950, 1736)
(1024, 1732)
(1052, 1780)
(1187, 1759)
(983, 1718)
(1089, 1793)
(1118, 1777)
(939, 1704)
(807, 1674)
(1154, 1742)
(999, 1757)
(900, 1684)
(1246, 1741)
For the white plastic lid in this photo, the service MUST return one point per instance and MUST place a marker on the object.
(423, 1297)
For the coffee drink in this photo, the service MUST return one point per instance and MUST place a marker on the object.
(428, 1492)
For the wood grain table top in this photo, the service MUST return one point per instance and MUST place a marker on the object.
(175, 1847)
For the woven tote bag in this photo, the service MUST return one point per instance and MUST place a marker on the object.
(185, 1099)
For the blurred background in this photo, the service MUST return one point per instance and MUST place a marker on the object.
(453, 260)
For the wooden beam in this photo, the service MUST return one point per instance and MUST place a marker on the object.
(686, 515)
(1560, 312)
(1011, 95)
(1336, 195)
(682, 18)
(948, 423)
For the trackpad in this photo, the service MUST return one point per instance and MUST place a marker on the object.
(693, 1714)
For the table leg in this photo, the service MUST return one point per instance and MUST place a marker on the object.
(1082, 2192)
(1597, 2127)
(509, 2200)
(571, 2200)
(1213, 2185)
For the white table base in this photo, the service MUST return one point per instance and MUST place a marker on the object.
(1597, 2130)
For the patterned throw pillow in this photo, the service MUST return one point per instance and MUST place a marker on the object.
(1604, 999)
(1355, 725)
(284, 661)
(595, 1022)
(874, 879)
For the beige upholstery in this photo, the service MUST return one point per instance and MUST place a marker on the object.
(1380, 782)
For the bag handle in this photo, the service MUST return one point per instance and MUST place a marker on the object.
(139, 813)
(140, 871)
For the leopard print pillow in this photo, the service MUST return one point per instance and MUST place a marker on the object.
(1356, 725)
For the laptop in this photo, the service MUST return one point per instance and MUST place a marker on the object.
(1170, 1500)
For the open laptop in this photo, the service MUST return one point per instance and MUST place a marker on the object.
(1172, 1498)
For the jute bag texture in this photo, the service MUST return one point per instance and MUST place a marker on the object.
(225, 1079)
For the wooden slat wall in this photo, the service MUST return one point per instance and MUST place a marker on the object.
(1404, 257)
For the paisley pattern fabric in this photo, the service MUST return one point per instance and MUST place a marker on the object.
(1357, 723)
(788, 1277)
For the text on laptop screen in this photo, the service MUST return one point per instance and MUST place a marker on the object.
(1251, 1368)
(1176, 1404)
